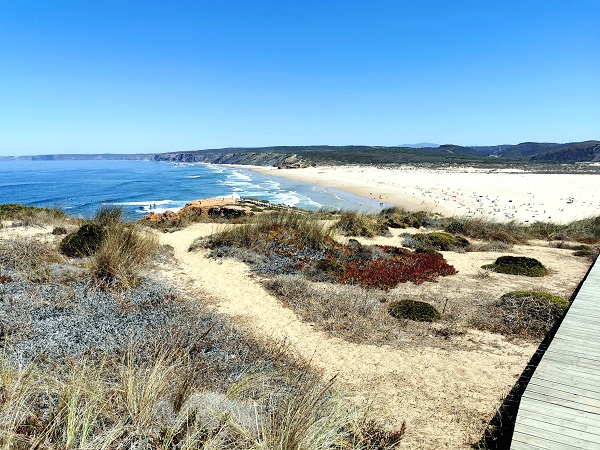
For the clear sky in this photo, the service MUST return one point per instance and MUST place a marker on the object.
(151, 76)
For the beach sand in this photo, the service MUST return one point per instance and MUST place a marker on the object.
(498, 195)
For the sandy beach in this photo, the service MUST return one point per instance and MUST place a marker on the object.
(498, 195)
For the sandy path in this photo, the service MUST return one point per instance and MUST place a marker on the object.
(445, 396)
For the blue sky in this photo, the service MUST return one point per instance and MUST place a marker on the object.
(150, 76)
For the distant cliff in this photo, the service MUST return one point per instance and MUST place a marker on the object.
(247, 158)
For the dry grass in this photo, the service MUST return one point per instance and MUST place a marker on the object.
(29, 257)
(22, 215)
(524, 314)
(123, 254)
(585, 230)
(488, 230)
(352, 313)
(130, 401)
(286, 226)
(353, 223)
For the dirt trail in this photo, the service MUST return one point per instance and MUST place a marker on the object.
(445, 396)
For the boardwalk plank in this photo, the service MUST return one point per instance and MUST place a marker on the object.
(572, 387)
(587, 421)
(560, 408)
(556, 438)
(559, 396)
(562, 426)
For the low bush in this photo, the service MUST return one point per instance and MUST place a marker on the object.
(518, 265)
(353, 223)
(436, 241)
(397, 217)
(59, 231)
(528, 314)
(388, 273)
(84, 242)
(414, 310)
(487, 230)
(13, 211)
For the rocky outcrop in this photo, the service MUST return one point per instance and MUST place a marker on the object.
(247, 158)
(200, 210)
(291, 162)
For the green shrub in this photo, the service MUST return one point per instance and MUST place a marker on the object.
(437, 241)
(414, 310)
(518, 265)
(523, 313)
(84, 242)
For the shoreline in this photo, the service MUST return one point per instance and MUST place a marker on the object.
(497, 195)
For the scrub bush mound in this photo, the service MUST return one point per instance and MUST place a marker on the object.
(414, 310)
(518, 265)
(528, 314)
(83, 242)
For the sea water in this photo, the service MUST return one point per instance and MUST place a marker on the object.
(80, 187)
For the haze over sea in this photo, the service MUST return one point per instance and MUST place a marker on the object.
(80, 187)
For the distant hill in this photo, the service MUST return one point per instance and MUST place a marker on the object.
(424, 152)
(420, 145)
(571, 152)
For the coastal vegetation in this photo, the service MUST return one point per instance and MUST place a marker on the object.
(517, 265)
(527, 314)
(414, 310)
(146, 363)
(87, 366)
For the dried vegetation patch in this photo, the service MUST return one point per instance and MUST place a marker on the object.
(525, 314)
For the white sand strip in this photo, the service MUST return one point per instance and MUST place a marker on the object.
(498, 195)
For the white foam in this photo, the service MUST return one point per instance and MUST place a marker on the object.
(239, 176)
(144, 203)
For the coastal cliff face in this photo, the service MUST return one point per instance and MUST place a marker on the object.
(247, 158)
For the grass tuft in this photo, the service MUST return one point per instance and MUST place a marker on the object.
(270, 229)
(123, 253)
(488, 230)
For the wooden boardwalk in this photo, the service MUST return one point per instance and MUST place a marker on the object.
(560, 408)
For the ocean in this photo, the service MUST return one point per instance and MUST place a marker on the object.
(80, 187)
